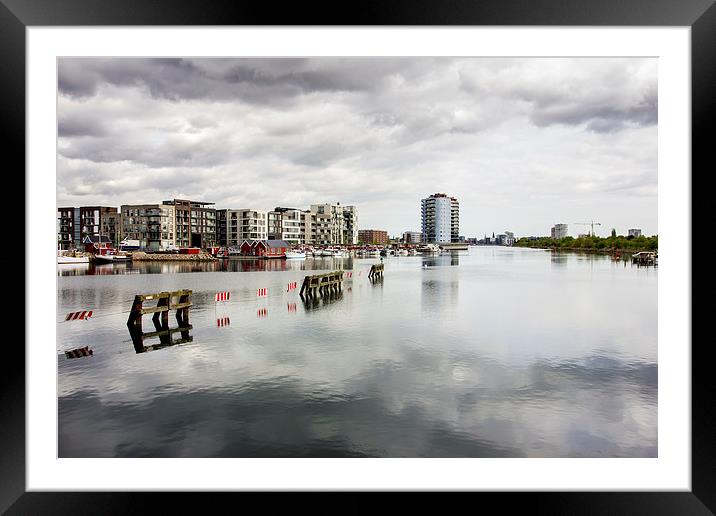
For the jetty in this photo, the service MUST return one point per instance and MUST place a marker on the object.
(179, 300)
(376, 271)
(165, 303)
(322, 284)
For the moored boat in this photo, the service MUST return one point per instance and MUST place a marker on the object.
(64, 258)
(111, 257)
(296, 253)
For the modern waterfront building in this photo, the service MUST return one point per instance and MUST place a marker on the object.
(235, 226)
(74, 224)
(412, 237)
(372, 236)
(288, 224)
(154, 225)
(350, 225)
(634, 233)
(558, 231)
(440, 217)
(177, 222)
(334, 224)
(195, 223)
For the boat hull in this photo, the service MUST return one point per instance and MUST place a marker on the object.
(61, 260)
(111, 258)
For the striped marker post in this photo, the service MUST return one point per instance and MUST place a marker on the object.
(222, 296)
(262, 292)
(261, 312)
(79, 316)
(291, 307)
(291, 286)
(349, 274)
(223, 321)
(79, 352)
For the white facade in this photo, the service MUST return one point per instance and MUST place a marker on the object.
(634, 233)
(558, 231)
(334, 224)
(243, 224)
(440, 217)
(287, 224)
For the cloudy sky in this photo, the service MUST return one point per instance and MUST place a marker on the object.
(523, 143)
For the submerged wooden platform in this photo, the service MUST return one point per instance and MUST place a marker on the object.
(320, 284)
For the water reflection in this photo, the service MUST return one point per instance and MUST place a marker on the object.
(316, 302)
(488, 358)
(223, 265)
(166, 336)
(439, 294)
(557, 258)
(441, 260)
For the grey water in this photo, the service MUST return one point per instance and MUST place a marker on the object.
(491, 352)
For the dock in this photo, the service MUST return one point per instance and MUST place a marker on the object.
(322, 284)
(376, 271)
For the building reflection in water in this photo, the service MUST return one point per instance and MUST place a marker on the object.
(441, 260)
(221, 265)
(558, 258)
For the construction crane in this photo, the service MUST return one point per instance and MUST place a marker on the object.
(592, 224)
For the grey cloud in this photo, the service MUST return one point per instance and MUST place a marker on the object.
(600, 117)
(276, 81)
(78, 126)
(173, 153)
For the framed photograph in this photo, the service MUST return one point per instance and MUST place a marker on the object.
(414, 250)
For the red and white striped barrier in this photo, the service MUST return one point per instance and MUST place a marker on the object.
(349, 274)
(222, 296)
(261, 312)
(79, 316)
(79, 352)
(262, 292)
(223, 321)
(291, 307)
(291, 286)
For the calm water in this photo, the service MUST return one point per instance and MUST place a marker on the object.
(495, 352)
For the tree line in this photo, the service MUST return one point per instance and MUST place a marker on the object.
(626, 243)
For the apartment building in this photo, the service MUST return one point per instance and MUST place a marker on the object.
(440, 217)
(195, 223)
(74, 224)
(372, 236)
(558, 231)
(287, 224)
(153, 225)
(412, 237)
(235, 226)
(334, 224)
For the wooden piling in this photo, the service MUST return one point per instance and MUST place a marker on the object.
(164, 305)
(321, 284)
(376, 271)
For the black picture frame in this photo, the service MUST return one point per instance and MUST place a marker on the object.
(700, 15)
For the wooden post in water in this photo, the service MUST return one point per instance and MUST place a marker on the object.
(321, 284)
(160, 313)
(376, 271)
